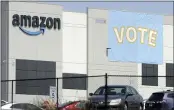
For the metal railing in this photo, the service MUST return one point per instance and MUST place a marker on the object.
(92, 83)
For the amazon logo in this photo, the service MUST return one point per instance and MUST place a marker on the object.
(42, 23)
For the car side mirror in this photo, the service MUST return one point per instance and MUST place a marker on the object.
(90, 94)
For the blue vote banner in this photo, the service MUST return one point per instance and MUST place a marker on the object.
(135, 37)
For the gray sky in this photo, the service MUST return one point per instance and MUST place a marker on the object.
(162, 8)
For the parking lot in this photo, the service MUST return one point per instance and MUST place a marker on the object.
(95, 99)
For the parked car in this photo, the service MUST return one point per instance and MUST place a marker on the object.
(119, 96)
(75, 105)
(20, 106)
(163, 100)
(3, 102)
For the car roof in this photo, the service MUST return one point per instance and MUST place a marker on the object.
(3, 101)
(117, 86)
(11, 109)
(164, 92)
(7, 106)
(10, 104)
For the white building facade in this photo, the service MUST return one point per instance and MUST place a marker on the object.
(98, 62)
(72, 45)
(31, 56)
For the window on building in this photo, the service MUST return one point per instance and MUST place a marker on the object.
(169, 74)
(150, 74)
(31, 69)
(74, 83)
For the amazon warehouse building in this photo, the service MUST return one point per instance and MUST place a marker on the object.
(43, 41)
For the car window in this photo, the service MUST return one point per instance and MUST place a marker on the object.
(80, 105)
(31, 107)
(156, 97)
(129, 91)
(99, 91)
(171, 95)
(133, 90)
(17, 106)
(111, 90)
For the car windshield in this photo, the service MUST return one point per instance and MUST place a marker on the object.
(171, 95)
(111, 91)
(65, 104)
(156, 97)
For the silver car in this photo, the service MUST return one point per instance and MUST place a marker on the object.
(118, 96)
(20, 106)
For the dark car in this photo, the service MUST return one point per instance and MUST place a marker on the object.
(119, 96)
(163, 100)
